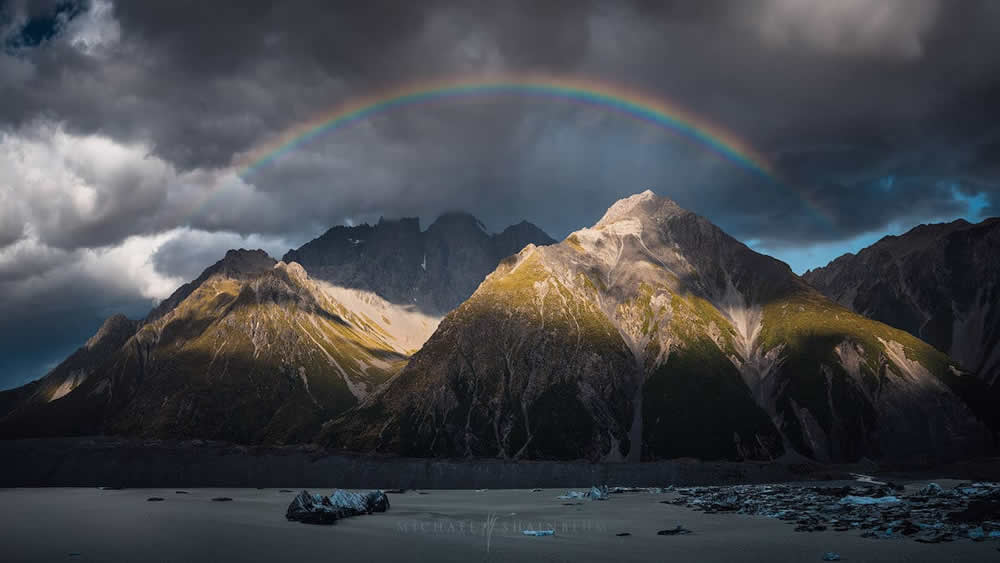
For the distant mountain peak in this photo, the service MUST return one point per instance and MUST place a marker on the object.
(432, 270)
(458, 221)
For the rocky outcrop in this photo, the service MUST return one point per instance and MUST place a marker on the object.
(655, 335)
(432, 271)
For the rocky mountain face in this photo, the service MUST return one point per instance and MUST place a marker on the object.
(433, 270)
(656, 335)
(939, 282)
(253, 351)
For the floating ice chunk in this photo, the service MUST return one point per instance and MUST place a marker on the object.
(361, 503)
(317, 509)
(539, 532)
(931, 490)
(595, 493)
(862, 478)
(851, 499)
(599, 493)
(314, 509)
(831, 556)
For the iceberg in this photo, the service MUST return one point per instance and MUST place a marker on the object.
(310, 508)
(595, 493)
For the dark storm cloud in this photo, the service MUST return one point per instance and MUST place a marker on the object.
(199, 83)
(119, 120)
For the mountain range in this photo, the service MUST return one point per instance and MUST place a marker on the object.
(651, 335)
(255, 350)
(655, 335)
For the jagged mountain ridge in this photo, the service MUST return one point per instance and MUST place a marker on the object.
(432, 270)
(655, 335)
(939, 282)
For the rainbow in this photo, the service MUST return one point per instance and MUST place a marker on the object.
(624, 101)
(613, 98)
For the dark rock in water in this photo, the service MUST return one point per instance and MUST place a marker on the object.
(395, 491)
(623, 534)
(677, 531)
(181, 492)
(831, 556)
(222, 499)
(154, 499)
(318, 509)
(314, 509)
(109, 488)
(286, 491)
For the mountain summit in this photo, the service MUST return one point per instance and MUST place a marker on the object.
(432, 271)
(655, 335)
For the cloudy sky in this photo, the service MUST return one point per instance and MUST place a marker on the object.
(121, 123)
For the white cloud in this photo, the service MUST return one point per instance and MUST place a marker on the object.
(80, 191)
(95, 31)
(30, 270)
(890, 28)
